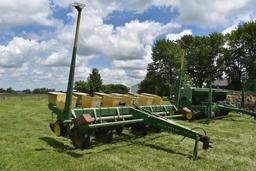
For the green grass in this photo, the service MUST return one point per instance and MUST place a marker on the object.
(26, 143)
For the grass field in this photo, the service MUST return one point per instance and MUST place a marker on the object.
(26, 143)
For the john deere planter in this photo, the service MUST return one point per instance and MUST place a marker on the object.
(210, 103)
(79, 124)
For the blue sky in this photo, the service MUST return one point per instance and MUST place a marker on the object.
(115, 36)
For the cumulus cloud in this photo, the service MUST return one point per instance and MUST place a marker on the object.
(179, 35)
(56, 59)
(16, 12)
(16, 52)
(210, 13)
(117, 76)
(124, 42)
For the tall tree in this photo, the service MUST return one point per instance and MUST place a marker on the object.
(94, 81)
(163, 71)
(241, 58)
(205, 57)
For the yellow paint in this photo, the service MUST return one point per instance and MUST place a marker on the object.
(189, 115)
(56, 129)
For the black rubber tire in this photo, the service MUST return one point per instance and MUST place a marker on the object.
(222, 113)
(104, 135)
(80, 139)
(119, 130)
(154, 129)
(139, 129)
(109, 136)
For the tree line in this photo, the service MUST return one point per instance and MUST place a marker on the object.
(27, 91)
(207, 58)
(93, 84)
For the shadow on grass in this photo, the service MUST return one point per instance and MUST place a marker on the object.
(239, 118)
(59, 146)
(224, 117)
(161, 148)
(135, 140)
(209, 121)
(168, 150)
(129, 139)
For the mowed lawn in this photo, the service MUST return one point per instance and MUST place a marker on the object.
(26, 143)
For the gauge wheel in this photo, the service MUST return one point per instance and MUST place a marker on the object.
(58, 128)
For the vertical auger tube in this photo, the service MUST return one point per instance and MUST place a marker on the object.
(67, 109)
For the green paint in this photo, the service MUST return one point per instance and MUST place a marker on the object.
(67, 109)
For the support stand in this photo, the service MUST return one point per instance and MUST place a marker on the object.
(195, 153)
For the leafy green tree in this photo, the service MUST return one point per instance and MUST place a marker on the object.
(163, 71)
(205, 57)
(82, 86)
(9, 90)
(149, 85)
(241, 54)
(94, 81)
(2, 90)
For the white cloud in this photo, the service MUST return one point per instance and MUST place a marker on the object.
(117, 76)
(57, 59)
(16, 52)
(124, 42)
(130, 64)
(229, 29)
(205, 13)
(216, 13)
(17, 12)
(179, 35)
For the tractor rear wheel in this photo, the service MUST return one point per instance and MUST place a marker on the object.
(80, 139)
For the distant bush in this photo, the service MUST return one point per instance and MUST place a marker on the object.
(27, 91)
(115, 88)
(42, 90)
